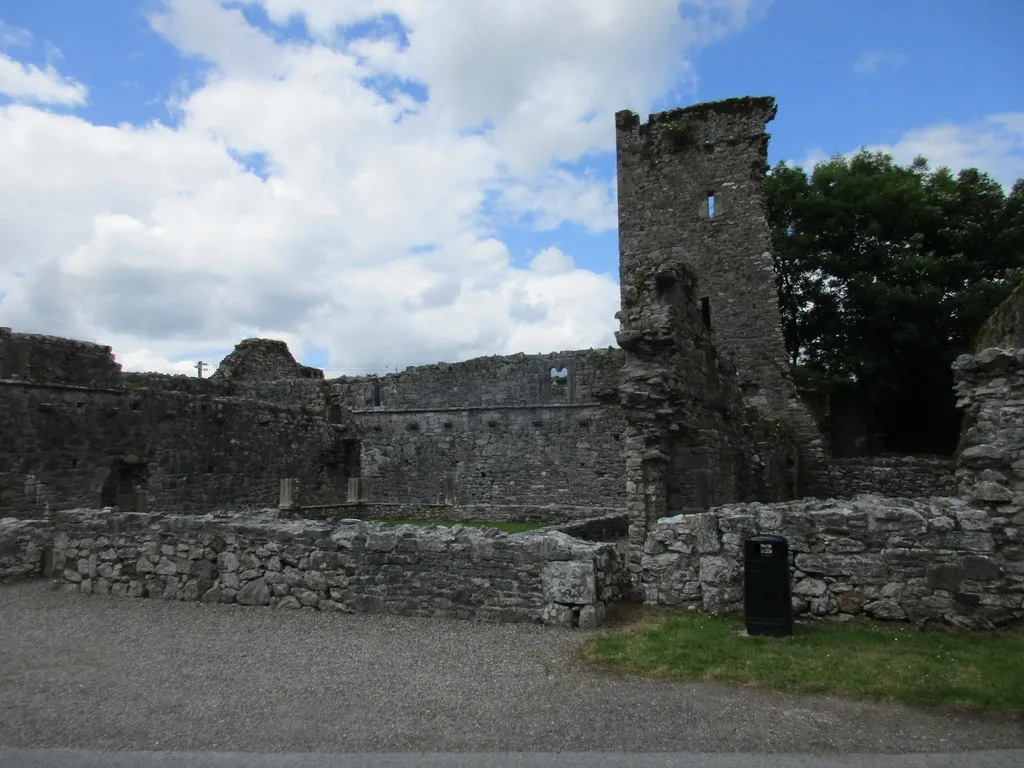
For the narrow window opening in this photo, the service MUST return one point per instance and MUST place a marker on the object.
(705, 311)
(711, 205)
(559, 377)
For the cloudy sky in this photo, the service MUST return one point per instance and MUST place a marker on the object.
(393, 182)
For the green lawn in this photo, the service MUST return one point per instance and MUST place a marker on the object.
(505, 527)
(888, 662)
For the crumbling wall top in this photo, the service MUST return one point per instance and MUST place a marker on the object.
(54, 360)
(263, 360)
(1005, 326)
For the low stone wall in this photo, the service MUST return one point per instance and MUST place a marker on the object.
(906, 477)
(897, 559)
(352, 566)
(554, 514)
(23, 548)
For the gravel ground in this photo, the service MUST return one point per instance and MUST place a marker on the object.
(108, 672)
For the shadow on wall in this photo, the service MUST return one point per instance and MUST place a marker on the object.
(125, 486)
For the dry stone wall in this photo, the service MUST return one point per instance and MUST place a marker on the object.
(897, 476)
(916, 560)
(350, 566)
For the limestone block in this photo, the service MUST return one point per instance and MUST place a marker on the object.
(591, 616)
(228, 561)
(718, 570)
(557, 614)
(810, 588)
(885, 609)
(569, 581)
(254, 593)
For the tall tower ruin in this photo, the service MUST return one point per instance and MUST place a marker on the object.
(690, 192)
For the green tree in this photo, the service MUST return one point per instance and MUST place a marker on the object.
(885, 273)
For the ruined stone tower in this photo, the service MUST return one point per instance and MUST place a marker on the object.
(690, 192)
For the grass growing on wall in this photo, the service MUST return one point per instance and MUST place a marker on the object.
(505, 527)
(885, 662)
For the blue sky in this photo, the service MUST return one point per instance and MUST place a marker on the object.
(391, 182)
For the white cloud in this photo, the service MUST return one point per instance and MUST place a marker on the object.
(372, 232)
(27, 82)
(877, 61)
(994, 144)
(13, 37)
(552, 261)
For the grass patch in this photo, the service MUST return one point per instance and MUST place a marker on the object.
(505, 527)
(886, 662)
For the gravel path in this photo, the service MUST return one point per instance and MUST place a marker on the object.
(108, 672)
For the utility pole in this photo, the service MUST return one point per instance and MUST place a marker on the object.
(201, 366)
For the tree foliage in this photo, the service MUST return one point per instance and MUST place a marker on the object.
(886, 272)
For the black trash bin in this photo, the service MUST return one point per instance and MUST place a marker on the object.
(767, 607)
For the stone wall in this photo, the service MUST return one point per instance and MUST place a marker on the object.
(153, 449)
(1005, 327)
(554, 514)
(990, 388)
(582, 376)
(540, 455)
(55, 360)
(918, 560)
(24, 545)
(263, 360)
(672, 171)
(897, 476)
(690, 441)
(353, 566)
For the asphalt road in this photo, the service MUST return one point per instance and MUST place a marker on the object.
(107, 673)
(26, 758)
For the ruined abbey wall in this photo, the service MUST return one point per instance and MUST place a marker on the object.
(990, 388)
(150, 449)
(581, 376)
(958, 560)
(691, 443)
(566, 455)
(690, 192)
(78, 432)
(521, 429)
(160, 442)
(55, 360)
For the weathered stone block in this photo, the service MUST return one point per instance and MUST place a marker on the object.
(945, 577)
(570, 582)
(976, 568)
(254, 593)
